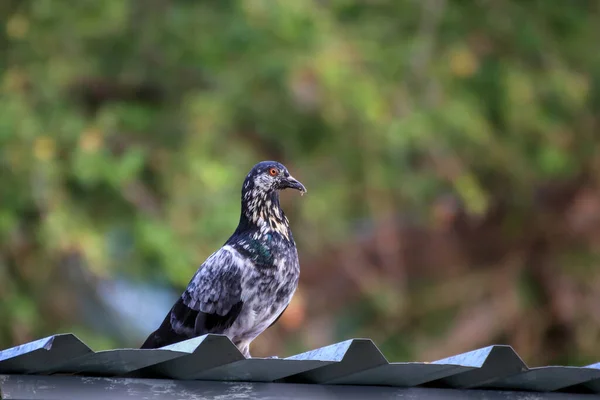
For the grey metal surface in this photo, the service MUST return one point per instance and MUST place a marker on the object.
(345, 358)
(488, 364)
(25, 387)
(547, 378)
(593, 385)
(201, 354)
(42, 355)
(356, 362)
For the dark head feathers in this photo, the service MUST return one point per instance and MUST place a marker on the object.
(269, 176)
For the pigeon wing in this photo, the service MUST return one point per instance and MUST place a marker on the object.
(215, 293)
(210, 304)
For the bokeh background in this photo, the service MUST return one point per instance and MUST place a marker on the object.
(449, 148)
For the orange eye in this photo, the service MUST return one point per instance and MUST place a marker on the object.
(273, 172)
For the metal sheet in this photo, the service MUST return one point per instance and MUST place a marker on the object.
(489, 364)
(76, 388)
(42, 355)
(594, 385)
(401, 374)
(353, 362)
(346, 358)
(115, 362)
(260, 370)
(205, 352)
(546, 379)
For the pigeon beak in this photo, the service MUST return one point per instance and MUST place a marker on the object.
(293, 183)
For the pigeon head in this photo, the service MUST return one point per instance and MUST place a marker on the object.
(267, 177)
(260, 197)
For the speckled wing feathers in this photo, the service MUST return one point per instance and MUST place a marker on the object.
(217, 285)
(211, 302)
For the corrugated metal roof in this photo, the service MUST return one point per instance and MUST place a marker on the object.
(61, 387)
(353, 362)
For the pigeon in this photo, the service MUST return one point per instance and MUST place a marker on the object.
(244, 287)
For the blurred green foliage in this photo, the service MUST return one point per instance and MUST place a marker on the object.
(127, 127)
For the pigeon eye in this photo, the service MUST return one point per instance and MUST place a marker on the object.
(273, 172)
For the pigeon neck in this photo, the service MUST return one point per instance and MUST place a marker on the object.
(262, 211)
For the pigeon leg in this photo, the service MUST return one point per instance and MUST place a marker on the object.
(245, 350)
